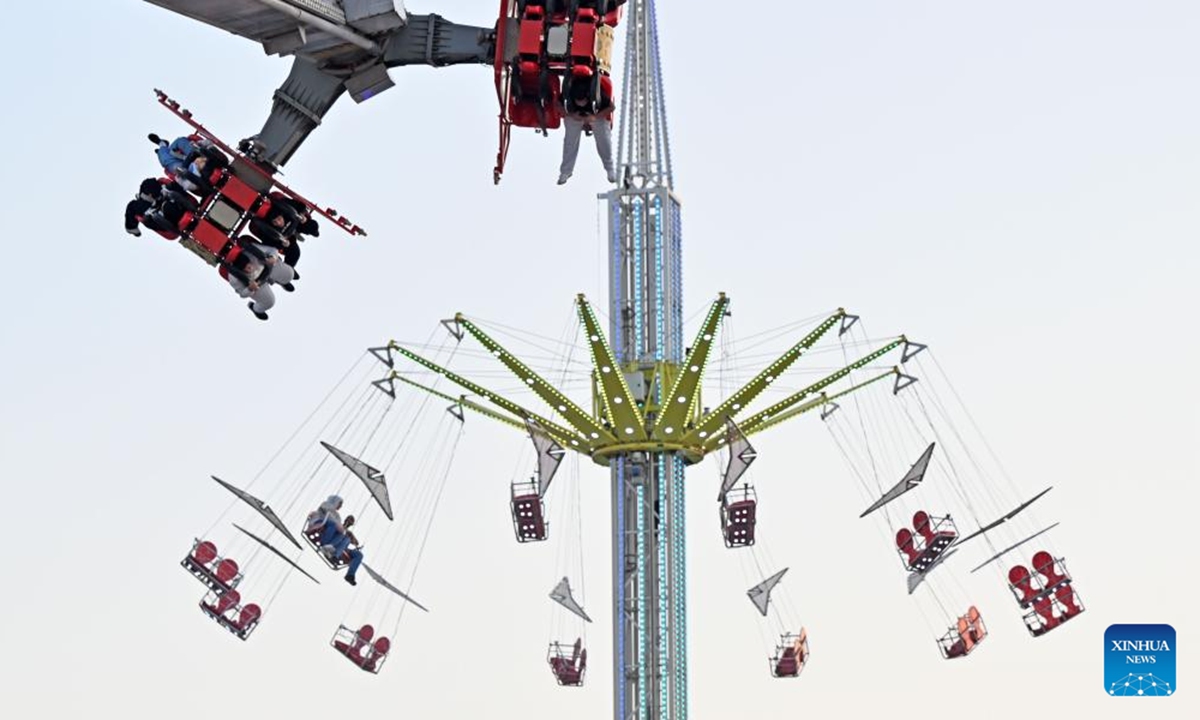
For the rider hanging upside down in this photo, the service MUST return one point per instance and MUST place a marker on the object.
(336, 537)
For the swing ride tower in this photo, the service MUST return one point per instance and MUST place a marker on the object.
(647, 422)
(649, 548)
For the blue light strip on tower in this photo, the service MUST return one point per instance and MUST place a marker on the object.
(641, 601)
(677, 274)
(639, 309)
(616, 262)
(620, 615)
(679, 587)
(660, 309)
(664, 609)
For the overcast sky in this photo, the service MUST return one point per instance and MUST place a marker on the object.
(1012, 183)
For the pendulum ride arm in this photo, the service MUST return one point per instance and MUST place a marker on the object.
(579, 419)
(311, 88)
(681, 403)
(743, 397)
(618, 401)
(338, 47)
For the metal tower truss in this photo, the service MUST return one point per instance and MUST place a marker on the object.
(646, 424)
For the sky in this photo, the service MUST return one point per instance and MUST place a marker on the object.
(1013, 184)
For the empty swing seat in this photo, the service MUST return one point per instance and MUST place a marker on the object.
(357, 647)
(227, 610)
(921, 550)
(738, 517)
(1051, 593)
(791, 655)
(960, 640)
(568, 669)
(219, 574)
(529, 514)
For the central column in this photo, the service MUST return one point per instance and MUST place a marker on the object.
(649, 550)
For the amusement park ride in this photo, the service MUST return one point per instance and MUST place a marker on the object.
(647, 421)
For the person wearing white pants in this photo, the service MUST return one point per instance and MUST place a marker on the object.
(245, 274)
(578, 117)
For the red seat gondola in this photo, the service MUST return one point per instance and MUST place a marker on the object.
(935, 536)
(528, 512)
(227, 610)
(379, 653)
(791, 655)
(358, 648)
(219, 574)
(568, 669)
(739, 510)
(1052, 595)
(960, 640)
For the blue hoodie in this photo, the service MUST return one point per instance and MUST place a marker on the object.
(174, 157)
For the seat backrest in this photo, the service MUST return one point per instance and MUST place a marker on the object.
(1045, 608)
(904, 541)
(921, 524)
(1066, 596)
(382, 646)
(365, 633)
(577, 648)
(1020, 578)
(978, 631)
(964, 633)
(1043, 562)
(227, 570)
(249, 614)
(229, 599)
(582, 660)
(204, 552)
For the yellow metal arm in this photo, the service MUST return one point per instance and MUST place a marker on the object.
(628, 422)
(681, 403)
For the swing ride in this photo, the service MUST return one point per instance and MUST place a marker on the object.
(647, 422)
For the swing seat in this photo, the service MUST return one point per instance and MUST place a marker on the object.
(568, 668)
(529, 513)
(791, 655)
(739, 510)
(357, 647)
(964, 637)
(226, 609)
(219, 574)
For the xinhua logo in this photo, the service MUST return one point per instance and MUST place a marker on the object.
(1139, 660)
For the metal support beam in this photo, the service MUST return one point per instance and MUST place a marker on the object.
(433, 40)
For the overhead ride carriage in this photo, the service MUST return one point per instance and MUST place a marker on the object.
(543, 48)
